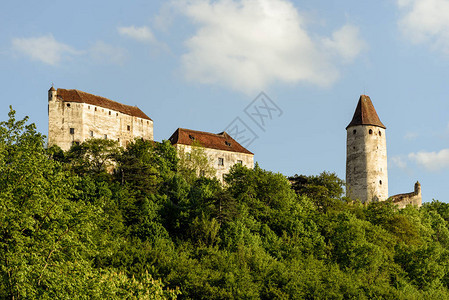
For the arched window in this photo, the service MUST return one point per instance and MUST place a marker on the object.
(370, 131)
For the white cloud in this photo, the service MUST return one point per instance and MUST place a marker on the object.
(432, 161)
(44, 48)
(399, 162)
(426, 21)
(105, 53)
(345, 42)
(141, 34)
(250, 44)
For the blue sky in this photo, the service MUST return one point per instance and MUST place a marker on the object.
(199, 64)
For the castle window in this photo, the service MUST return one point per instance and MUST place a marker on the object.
(228, 143)
(148, 122)
(128, 127)
(354, 131)
(116, 114)
(240, 162)
(109, 113)
(380, 182)
(370, 131)
(95, 109)
(72, 130)
(68, 104)
(220, 161)
(191, 137)
(118, 140)
(105, 136)
(91, 133)
(380, 133)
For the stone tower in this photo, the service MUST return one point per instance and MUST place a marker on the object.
(366, 155)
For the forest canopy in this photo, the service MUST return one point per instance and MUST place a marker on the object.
(104, 222)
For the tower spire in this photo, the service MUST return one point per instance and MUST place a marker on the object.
(365, 114)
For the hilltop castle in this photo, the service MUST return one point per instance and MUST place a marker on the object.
(75, 116)
(366, 159)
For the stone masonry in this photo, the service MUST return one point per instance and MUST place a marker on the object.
(75, 116)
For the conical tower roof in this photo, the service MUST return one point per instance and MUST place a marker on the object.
(365, 114)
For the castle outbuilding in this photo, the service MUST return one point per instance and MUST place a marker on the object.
(366, 159)
(75, 116)
(223, 151)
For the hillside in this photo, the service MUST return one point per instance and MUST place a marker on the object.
(101, 222)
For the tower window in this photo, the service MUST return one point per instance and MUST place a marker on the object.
(95, 109)
(91, 133)
(72, 130)
(380, 182)
(220, 161)
(109, 113)
(191, 137)
(354, 131)
(128, 127)
(380, 133)
(370, 131)
(68, 104)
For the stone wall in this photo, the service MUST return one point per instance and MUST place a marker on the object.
(74, 122)
(413, 198)
(230, 158)
(366, 163)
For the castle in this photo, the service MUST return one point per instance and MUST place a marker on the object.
(75, 116)
(366, 159)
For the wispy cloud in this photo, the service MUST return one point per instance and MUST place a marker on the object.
(426, 21)
(432, 161)
(250, 44)
(48, 50)
(105, 53)
(410, 136)
(399, 162)
(44, 49)
(141, 34)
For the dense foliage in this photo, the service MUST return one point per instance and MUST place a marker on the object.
(101, 222)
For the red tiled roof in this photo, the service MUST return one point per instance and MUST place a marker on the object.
(220, 141)
(83, 97)
(365, 114)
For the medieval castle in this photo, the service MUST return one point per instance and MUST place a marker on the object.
(75, 116)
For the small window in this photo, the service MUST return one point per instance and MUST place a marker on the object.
(68, 104)
(380, 182)
(118, 140)
(220, 161)
(72, 130)
(240, 162)
(380, 133)
(116, 114)
(105, 136)
(148, 122)
(88, 107)
(370, 131)
(228, 143)
(109, 112)
(95, 109)
(128, 127)
(191, 137)
(91, 133)
(354, 131)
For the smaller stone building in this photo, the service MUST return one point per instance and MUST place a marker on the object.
(223, 151)
(75, 116)
(413, 198)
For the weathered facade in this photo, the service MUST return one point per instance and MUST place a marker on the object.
(222, 150)
(366, 155)
(75, 116)
(366, 159)
(413, 198)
